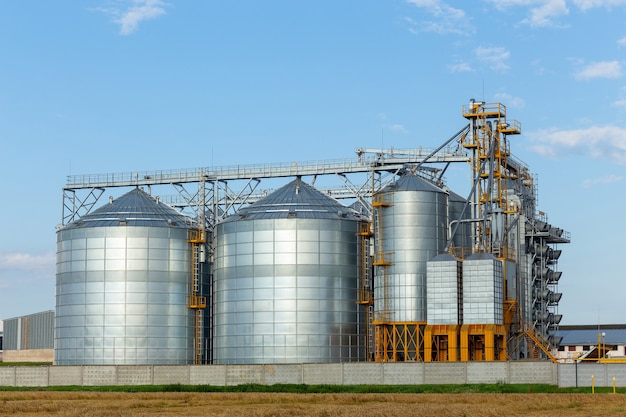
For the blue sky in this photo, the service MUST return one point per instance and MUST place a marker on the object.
(102, 86)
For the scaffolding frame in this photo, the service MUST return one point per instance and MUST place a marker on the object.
(196, 301)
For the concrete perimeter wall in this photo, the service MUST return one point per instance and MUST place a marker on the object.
(579, 375)
(309, 374)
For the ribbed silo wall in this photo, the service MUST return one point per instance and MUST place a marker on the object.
(121, 296)
(285, 292)
(34, 331)
(41, 330)
(458, 212)
(412, 230)
(483, 289)
(445, 290)
(12, 339)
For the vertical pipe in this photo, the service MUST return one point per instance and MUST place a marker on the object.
(613, 385)
(593, 387)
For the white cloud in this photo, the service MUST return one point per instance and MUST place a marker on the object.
(412, 25)
(130, 13)
(398, 128)
(598, 142)
(607, 179)
(605, 69)
(425, 3)
(460, 67)
(510, 101)
(590, 4)
(26, 261)
(17, 269)
(538, 67)
(506, 4)
(620, 103)
(544, 14)
(541, 12)
(495, 57)
(622, 42)
(444, 18)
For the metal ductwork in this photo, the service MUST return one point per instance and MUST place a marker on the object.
(539, 250)
(554, 277)
(555, 318)
(555, 297)
(542, 294)
(555, 340)
(542, 316)
(539, 272)
(554, 254)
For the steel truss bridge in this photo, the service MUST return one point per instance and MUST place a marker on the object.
(215, 192)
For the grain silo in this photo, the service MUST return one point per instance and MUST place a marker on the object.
(123, 277)
(482, 334)
(444, 291)
(286, 281)
(410, 228)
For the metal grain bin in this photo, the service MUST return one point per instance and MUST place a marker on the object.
(123, 276)
(445, 290)
(483, 289)
(286, 281)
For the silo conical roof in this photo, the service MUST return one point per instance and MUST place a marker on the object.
(411, 182)
(135, 208)
(296, 199)
(456, 198)
(444, 257)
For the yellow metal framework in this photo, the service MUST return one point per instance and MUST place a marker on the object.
(539, 342)
(490, 150)
(489, 145)
(366, 295)
(441, 343)
(483, 342)
(399, 342)
(197, 302)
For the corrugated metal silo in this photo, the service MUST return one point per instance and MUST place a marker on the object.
(286, 281)
(445, 290)
(410, 229)
(123, 277)
(483, 289)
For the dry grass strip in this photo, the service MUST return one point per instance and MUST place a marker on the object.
(102, 404)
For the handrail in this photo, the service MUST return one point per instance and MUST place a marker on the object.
(531, 332)
(269, 170)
